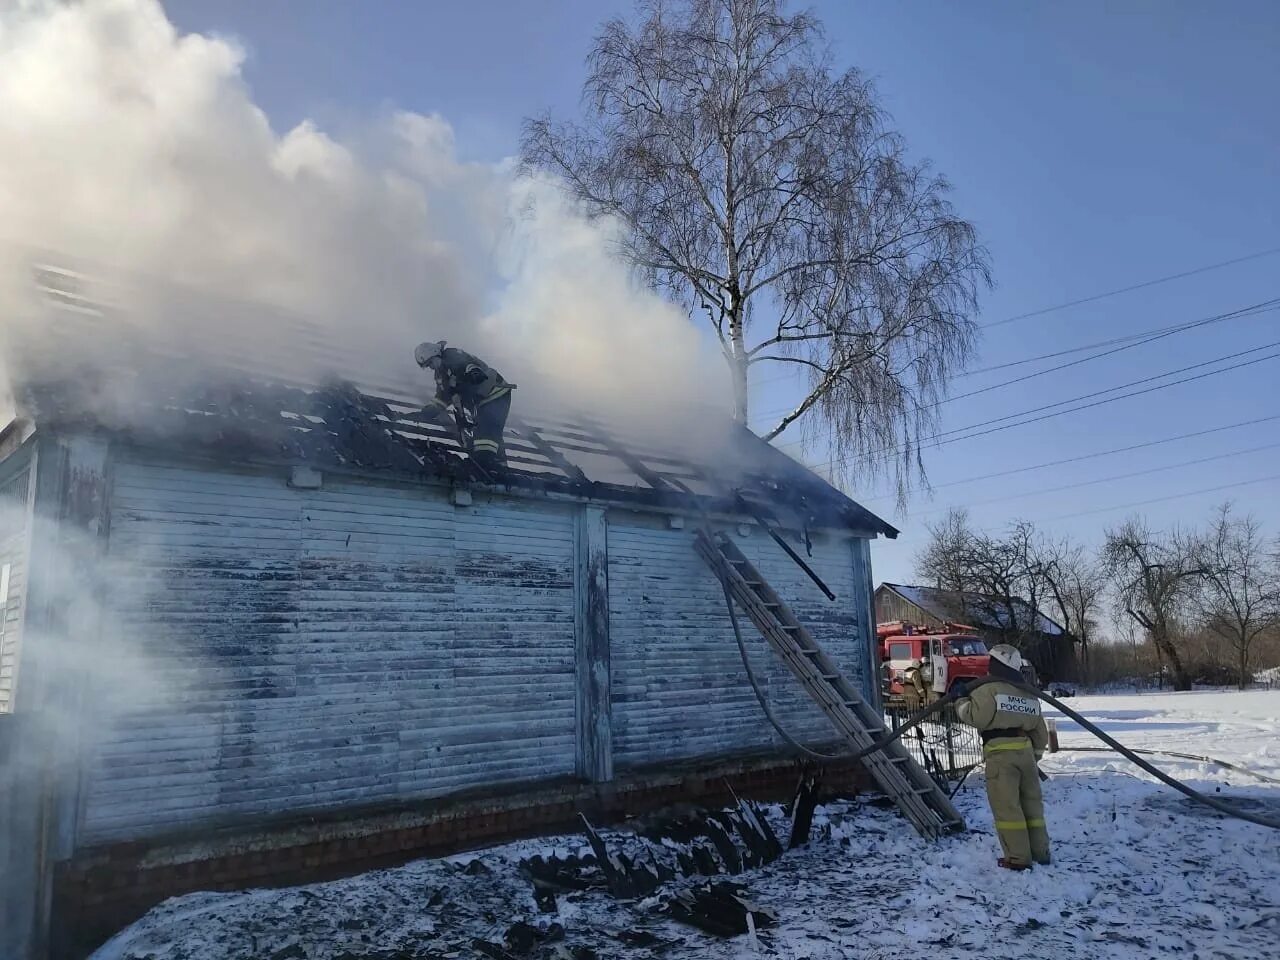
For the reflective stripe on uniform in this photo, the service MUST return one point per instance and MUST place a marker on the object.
(435, 404)
(1011, 745)
(499, 391)
(1035, 823)
(485, 446)
(1012, 824)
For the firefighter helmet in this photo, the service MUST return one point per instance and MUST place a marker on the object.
(1008, 655)
(426, 352)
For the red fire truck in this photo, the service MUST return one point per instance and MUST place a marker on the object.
(920, 664)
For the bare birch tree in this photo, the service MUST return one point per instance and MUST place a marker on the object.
(1155, 576)
(767, 193)
(1241, 595)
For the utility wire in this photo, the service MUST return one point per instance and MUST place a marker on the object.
(948, 436)
(1093, 299)
(1174, 496)
(1130, 289)
(1102, 393)
(1100, 453)
(1264, 307)
(1119, 476)
(1124, 343)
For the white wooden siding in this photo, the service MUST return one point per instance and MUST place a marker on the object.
(316, 648)
(15, 526)
(679, 686)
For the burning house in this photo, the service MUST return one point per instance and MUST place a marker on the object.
(281, 633)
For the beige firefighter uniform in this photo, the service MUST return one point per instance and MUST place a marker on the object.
(1014, 737)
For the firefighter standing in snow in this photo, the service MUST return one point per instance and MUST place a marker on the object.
(1014, 737)
(470, 387)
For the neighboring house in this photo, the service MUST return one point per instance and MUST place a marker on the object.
(321, 634)
(1040, 638)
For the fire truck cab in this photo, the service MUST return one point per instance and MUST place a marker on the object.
(922, 664)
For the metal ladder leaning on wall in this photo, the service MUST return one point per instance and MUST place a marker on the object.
(916, 793)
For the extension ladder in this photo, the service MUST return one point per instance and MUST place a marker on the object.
(915, 792)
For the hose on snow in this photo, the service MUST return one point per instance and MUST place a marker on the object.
(921, 715)
(1155, 771)
(1112, 742)
(1181, 756)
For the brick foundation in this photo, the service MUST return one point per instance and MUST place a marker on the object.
(102, 890)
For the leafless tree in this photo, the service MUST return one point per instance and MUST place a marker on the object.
(765, 190)
(1155, 576)
(1012, 577)
(1241, 595)
(1075, 581)
(1000, 578)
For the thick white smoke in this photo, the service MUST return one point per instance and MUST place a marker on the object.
(140, 151)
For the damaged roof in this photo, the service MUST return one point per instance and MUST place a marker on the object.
(337, 426)
(259, 412)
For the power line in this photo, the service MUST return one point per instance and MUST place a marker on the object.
(1264, 307)
(1125, 343)
(1130, 289)
(880, 454)
(1119, 476)
(1175, 496)
(1100, 453)
(1094, 298)
(1099, 393)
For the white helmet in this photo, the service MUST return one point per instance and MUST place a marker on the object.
(426, 352)
(1008, 655)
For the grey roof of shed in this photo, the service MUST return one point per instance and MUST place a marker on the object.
(975, 609)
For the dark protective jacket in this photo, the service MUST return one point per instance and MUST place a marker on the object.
(466, 380)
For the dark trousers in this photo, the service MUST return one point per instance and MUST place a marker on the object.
(488, 444)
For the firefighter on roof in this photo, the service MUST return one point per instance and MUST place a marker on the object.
(1014, 737)
(476, 392)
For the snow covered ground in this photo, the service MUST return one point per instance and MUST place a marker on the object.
(1139, 872)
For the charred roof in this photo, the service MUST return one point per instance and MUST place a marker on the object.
(338, 426)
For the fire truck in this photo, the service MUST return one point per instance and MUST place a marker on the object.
(920, 664)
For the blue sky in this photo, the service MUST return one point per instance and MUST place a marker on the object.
(1095, 146)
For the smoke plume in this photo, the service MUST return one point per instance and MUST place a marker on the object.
(137, 154)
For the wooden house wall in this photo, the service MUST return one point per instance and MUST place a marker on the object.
(315, 648)
(15, 538)
(312, 649)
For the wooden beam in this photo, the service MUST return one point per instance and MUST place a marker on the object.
(556, 458)
(864, 601)
(60, 635)
(636, 465)
(594, 709)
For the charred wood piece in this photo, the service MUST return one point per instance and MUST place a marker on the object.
(627, 880)
(803, 806)
(719, 909)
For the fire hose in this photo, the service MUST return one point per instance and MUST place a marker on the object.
(1102, 735)
(921, 715)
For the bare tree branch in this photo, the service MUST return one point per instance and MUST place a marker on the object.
(1156, 575)
(757, 185)
(1241, 595)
